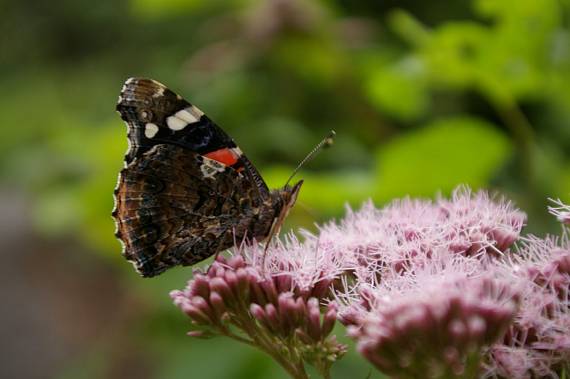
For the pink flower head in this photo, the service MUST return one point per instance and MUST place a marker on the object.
(479, 223)
(236, 299)
(537, 344)
(436, 329)
(407, 232)
(308, 268)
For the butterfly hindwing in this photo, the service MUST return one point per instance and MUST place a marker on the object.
(169, 213)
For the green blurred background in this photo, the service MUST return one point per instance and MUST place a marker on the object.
(424, 95)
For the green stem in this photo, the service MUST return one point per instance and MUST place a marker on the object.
(294, 366)
(239, 338)
(472, 365)
(521, 130)
(325, 372)
(292, 363)
(323, 367)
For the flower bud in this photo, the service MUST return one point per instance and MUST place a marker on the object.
(313, 319)
(219, 285)
(217, 303)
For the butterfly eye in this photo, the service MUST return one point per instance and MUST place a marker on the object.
(145, 115)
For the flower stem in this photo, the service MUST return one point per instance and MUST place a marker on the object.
(521, 130)
(292, 363)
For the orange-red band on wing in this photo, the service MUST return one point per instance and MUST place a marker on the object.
(225, 156)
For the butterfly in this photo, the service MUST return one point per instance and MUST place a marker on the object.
(186, 191)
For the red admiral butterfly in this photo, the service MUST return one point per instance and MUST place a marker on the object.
(187, 191)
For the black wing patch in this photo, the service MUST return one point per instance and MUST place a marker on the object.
(156, 115)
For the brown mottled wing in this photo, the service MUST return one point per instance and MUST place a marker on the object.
(187, 191)
(169, 213)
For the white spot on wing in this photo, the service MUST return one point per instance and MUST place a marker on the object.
(150, 130)
(186, 116)
(211, 167)
(129, 144)
(196, 112)
(183, 117)
(176, 123)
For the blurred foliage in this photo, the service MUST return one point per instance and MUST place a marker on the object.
(469, 149)
(423, 96)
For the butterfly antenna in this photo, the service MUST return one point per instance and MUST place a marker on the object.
(326, 142)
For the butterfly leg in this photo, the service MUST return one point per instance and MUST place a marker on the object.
(272, 232)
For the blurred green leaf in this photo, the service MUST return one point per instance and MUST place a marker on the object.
(493, 59)
(440, 156)
(321, 64)
(454, 53)
(83, 203)
(399, 90)
(160, 8)
(408, 27)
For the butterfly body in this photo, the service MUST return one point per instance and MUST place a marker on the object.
(187, 191)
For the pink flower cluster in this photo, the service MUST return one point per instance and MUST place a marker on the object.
(410, 232)
(537, 343)
(270, 312)
(433, 289)
(437, 330)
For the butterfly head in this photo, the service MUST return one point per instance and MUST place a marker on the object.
(289, 194)
(286, 196)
